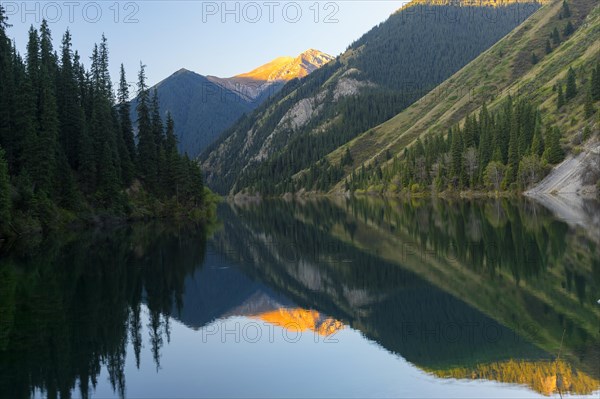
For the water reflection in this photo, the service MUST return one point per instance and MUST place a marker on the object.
(493, 291)
(486, 290)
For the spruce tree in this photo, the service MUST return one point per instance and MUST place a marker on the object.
(548, 47)
(125, 114)
(125, 139)
(69, 107)
(569, 29)
(44, 148)
(560, 99)
(147, 151)
(513, 153)
(534, 58)
(456, 148)
(555, 37)
(571, 90)
(157, 124)
(553, 153)
(537, 143)
(566, 10)
(589, 106)
(595, 82)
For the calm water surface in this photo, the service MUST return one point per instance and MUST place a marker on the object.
(344, 298)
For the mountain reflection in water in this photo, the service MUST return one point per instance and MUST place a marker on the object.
(489, 291)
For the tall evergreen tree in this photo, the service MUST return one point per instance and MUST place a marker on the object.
(569, 29)
(566, 10)
(555, 37)
(157, 124)
(571, 90)
(553, 152)
(560, 99)
(513, 153)
(589, 109)
(147, 151)
(595, 82)
(69, 104)
(125, 114)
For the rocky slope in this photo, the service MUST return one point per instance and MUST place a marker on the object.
(569, 191)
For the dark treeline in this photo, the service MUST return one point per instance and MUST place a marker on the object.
(71, 305)
(67, 147)
(503, 150)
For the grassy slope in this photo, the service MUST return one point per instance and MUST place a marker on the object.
(503, 70)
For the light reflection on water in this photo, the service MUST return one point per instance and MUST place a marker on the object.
(341, 299)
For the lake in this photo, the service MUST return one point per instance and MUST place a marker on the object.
(317, 298)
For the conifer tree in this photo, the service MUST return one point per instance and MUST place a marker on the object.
(125, 140)
(157, 124)
(571, 90)
(555, 37)
(125, 114)
(569, 29)
(553, 152)
(595, 82)
(456, 148)
(537, 143)
(513, 154)
(548, 47)
(147, 151)
(534, 58)
(5, 202)
(560, 99)
(589, 106)
(566, 10)
(69, 107)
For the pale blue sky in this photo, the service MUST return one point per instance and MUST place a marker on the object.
(201, 35)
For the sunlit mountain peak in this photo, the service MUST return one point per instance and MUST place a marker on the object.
(298, 319)
(288, 68)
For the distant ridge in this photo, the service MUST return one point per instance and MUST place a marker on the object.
(470, 3)
(288, 68)
(204, 106)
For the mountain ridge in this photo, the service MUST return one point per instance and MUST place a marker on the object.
(204, 106)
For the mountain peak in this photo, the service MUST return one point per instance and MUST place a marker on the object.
(288, 68)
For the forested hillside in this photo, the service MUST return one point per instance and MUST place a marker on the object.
(67, 148)
(379, 75)
(499, 124)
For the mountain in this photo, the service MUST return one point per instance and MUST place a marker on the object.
(381, 74)
(267, 79)
(204, 106)
(506, 72)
